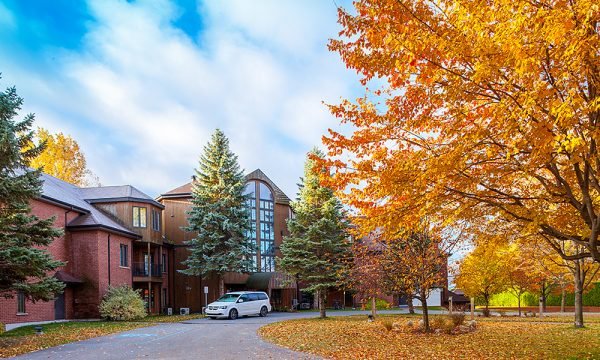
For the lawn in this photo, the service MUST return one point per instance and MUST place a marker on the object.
(355, 338)
(23, 340)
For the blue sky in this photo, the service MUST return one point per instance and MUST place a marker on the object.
(141, 85)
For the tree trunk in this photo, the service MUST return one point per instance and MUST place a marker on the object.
(487, 305)
(373, 307)
(519, 304)
(221, 285)
(322, 298)
(425, 312)
(562, 300)
(578, 296)
(544, 291)
(411, 307)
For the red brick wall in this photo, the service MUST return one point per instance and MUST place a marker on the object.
(91, 264)
(60, 250)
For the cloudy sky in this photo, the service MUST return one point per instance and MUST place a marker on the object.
(141, 85)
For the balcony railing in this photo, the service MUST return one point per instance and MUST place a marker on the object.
(145, 269)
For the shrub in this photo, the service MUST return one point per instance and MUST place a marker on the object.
(388, 324)
(380, 304)
(437, 322)
(122, 303)
(457, 318)
(2, 329)
(442, 323)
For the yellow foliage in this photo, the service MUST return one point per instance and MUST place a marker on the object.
(61, 158)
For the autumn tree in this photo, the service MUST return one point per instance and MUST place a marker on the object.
(218, 215)
(483, 273)
(25, 265)
(61, 158)
(366, 275)
(413, 265)
(480, 109)
(521, 274)
(317, 251)
(583, 273)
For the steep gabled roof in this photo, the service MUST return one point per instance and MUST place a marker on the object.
(116, 194)
(70, 196)
(185, 191)
(280, 196)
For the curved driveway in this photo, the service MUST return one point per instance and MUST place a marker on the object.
(194, 339)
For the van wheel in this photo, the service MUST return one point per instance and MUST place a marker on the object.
(233, 314)
(263, 311)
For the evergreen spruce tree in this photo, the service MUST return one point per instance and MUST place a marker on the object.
(317, 252)
(218, 215)
(24, 263)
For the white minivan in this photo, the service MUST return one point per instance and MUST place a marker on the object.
(239, 303)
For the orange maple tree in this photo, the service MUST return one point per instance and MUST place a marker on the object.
(473, 109)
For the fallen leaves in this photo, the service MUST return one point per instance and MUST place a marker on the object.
(355, 338)
(24, 340)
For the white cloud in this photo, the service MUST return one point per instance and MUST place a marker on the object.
(143, 98)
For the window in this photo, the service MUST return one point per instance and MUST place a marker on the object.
(139, 217)
(164, 263)
(155, 220)
(21, 303)
(262, 296)
(253, 297)
(261, 212)
(250, 193)
(124, 255)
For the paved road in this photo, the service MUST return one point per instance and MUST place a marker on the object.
(195, 339)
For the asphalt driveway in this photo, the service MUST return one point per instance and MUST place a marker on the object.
(195, 339)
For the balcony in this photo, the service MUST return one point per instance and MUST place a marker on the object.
(146, 272)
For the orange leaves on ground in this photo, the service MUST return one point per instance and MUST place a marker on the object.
(57, 334)
(355, 338)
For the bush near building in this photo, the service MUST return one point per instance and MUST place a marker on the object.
(122, 303)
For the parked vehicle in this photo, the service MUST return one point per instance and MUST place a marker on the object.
(239, 303)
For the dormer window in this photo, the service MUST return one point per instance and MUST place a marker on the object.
(139, 217)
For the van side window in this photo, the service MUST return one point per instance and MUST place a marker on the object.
(253, 297)
(262, 296)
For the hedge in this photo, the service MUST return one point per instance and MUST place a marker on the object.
(590, 298)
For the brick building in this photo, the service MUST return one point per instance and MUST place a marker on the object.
(270, 208)
(112, 236)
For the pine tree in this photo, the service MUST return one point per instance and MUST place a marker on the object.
(317, 252)
(218, 215)
(24, 263)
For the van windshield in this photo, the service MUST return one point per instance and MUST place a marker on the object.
(228, 298)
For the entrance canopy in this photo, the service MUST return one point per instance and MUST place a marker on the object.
(270, 280)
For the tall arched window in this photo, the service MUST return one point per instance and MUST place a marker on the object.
(262, 203)
(267, 229)
(250, 191)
